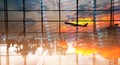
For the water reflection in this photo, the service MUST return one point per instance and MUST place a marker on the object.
(97, 48)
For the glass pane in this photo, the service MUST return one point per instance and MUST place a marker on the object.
(103, 15)
(1, 4)
(2, 27)
(33, 15)
(52, 15)
(68, 4)
(51, 4)
(67, 15)
(51, 27)
(15, 4)
(102, 24)
(85, 5)
(89, 4)
(15, 27)
(33, 27)
(85, 14)
(32, 4)
(103, 4)
(1, 15)
(15, 15)
(117, 15)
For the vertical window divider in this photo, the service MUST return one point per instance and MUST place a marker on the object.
(59, 18)
(111, 14)
(6, 30)
(6, 18)
(24, 21)
(77, 18)
(41, 16)
(94, 15)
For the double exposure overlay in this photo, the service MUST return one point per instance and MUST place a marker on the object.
(59, 32)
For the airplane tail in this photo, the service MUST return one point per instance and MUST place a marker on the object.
(85, 25)
(82, 25)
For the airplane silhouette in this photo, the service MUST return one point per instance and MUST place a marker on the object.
(73, 24)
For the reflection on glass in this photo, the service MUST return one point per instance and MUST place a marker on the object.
(43, 51)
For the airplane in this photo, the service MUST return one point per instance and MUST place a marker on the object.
(75, 24)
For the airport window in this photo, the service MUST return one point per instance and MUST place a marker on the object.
(58, 30)
(60, 13)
